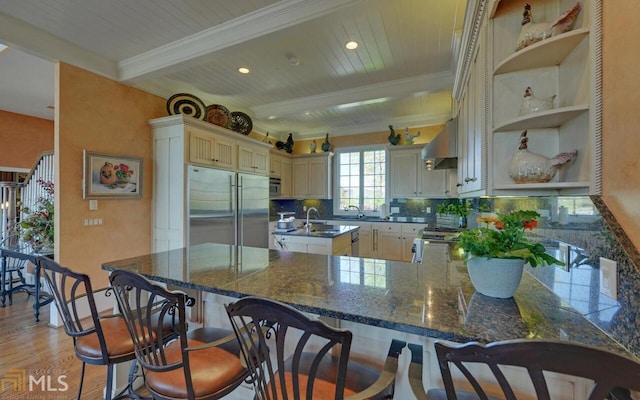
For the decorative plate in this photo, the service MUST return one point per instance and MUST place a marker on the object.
(240, 122)
(218, 115)
(186, 104)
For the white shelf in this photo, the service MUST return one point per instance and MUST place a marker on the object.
(546, 53)
(544, 119)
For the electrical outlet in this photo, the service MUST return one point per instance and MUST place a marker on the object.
(428, 210)
(395, 210)
(608, 278)
(304, 208)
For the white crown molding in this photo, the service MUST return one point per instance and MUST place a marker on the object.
(423, 83)
(192, 49)
(35, 41)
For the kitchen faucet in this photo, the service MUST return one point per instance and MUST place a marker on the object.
(308, 212)
(360, 213)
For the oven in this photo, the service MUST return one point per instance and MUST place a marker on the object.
(275, 187)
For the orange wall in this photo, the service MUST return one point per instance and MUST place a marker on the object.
(23, 139)
(621, 120)
(100, 115)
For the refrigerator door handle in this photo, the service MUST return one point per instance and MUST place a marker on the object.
(234, 204)
(240, 224)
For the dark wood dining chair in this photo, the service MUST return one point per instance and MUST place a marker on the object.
(12, 271)
(98, 339)
(318, 366)
(201, 364)
(613, 375)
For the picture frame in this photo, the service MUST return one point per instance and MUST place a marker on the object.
(109, 176)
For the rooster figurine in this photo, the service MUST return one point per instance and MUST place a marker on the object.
(409, 137)
(393, 138)
(534, 32)
(529, 167)
(531, 103)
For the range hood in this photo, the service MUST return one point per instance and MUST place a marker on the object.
(442, 151)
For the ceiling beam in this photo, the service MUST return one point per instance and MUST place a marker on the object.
(35, 41)
(192, 49)
(390, 89)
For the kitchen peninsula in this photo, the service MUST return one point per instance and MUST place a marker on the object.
(434, 299)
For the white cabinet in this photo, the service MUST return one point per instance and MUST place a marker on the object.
(408, 176)
(210, 149)
(311, 176)
(253, 159)
(472, 131)
(386, 241)
(338, 246)
(275, 165)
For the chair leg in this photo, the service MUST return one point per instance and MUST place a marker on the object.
(109, 382)
(81, 380)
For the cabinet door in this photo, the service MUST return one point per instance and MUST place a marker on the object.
(432, 183)
(390, 246)
(403, 173)
(407, 244)
(318, 181)
(275, 166)
(251, 159)
(201, 147)
(286, 180)
(224, 151)
(300, 173)
(365, 244)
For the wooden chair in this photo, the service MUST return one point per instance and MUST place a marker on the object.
(319, 366)
(98, 339)
(199, 364)
(613, 374)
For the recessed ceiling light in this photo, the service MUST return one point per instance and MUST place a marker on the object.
(351, 45)
(243, 70)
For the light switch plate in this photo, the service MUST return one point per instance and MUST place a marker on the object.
(608, 278)
(93, 205)
(395, 210)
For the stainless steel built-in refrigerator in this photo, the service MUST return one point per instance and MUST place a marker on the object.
(228, 207)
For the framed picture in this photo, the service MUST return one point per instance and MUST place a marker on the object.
(111, 176)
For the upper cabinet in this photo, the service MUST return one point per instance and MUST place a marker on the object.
(408, 176)
(253, 158)
(311, 176)
(550, 88)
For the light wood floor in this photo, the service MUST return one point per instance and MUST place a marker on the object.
(30, 348)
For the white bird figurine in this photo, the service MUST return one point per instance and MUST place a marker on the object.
(534, 32)
(531, 103)
(527, 167)
(409, 137)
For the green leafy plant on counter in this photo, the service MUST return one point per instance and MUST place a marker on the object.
(502, 236)
(459, 208)
(36, 226)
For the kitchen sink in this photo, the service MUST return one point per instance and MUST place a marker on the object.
(325, 228)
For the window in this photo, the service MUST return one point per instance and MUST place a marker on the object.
(360, 180)
(367, 272)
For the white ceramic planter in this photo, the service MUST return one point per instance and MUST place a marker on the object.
(495, 277)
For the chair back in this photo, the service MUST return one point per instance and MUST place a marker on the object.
(142, 304)
(73, 297)
(612, 373)
(295, 366)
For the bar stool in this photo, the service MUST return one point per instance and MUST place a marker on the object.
(613, 374)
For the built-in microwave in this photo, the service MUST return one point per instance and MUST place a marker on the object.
(274, 187)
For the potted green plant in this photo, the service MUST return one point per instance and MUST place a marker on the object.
(497, 251)
(36, 225)
(453, 210)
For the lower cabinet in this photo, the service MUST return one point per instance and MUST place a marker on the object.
(338, 246)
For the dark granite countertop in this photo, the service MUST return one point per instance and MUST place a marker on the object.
(410, 220)
(320, 230)
(434, 299)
